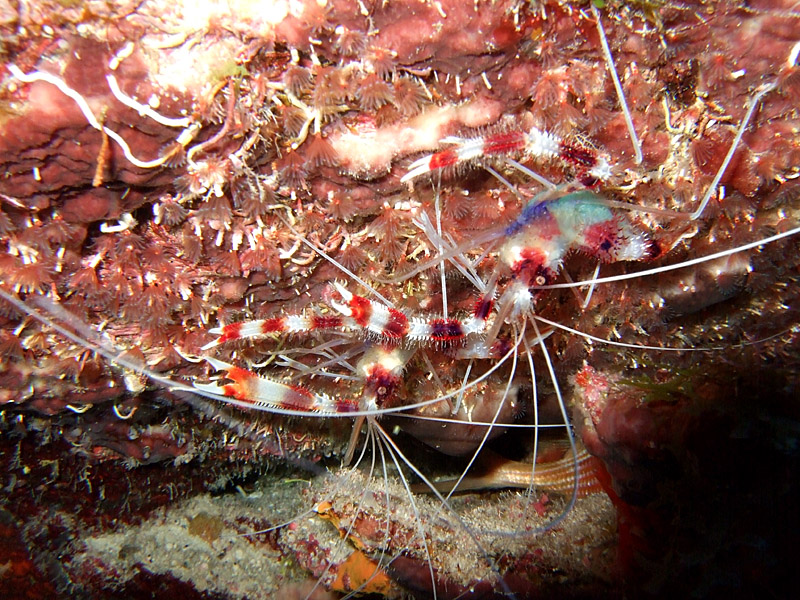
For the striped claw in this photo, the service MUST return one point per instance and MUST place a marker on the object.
(387, 323)
(262, 392)
(588, 165)
(266, 327)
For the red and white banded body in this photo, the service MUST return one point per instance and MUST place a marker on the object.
(589, 166)
(532, 253)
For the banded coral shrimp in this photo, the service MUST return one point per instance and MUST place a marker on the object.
(420, 296)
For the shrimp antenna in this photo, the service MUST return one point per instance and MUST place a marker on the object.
(637, 146)
(734, 145)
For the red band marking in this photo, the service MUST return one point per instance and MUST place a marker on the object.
(445, 158)
(483, 308)
(504, 143)
(233, 390)
(397, 326)
(361, 309)
(576, 154)
(274, 325)
(328, 322)
(530, 258)
(531, 269)
(240, 375)
(345, 406)
(446, 331)
(230, 332)
(239, 388)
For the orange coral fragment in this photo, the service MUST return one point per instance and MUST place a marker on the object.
(363, 573)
